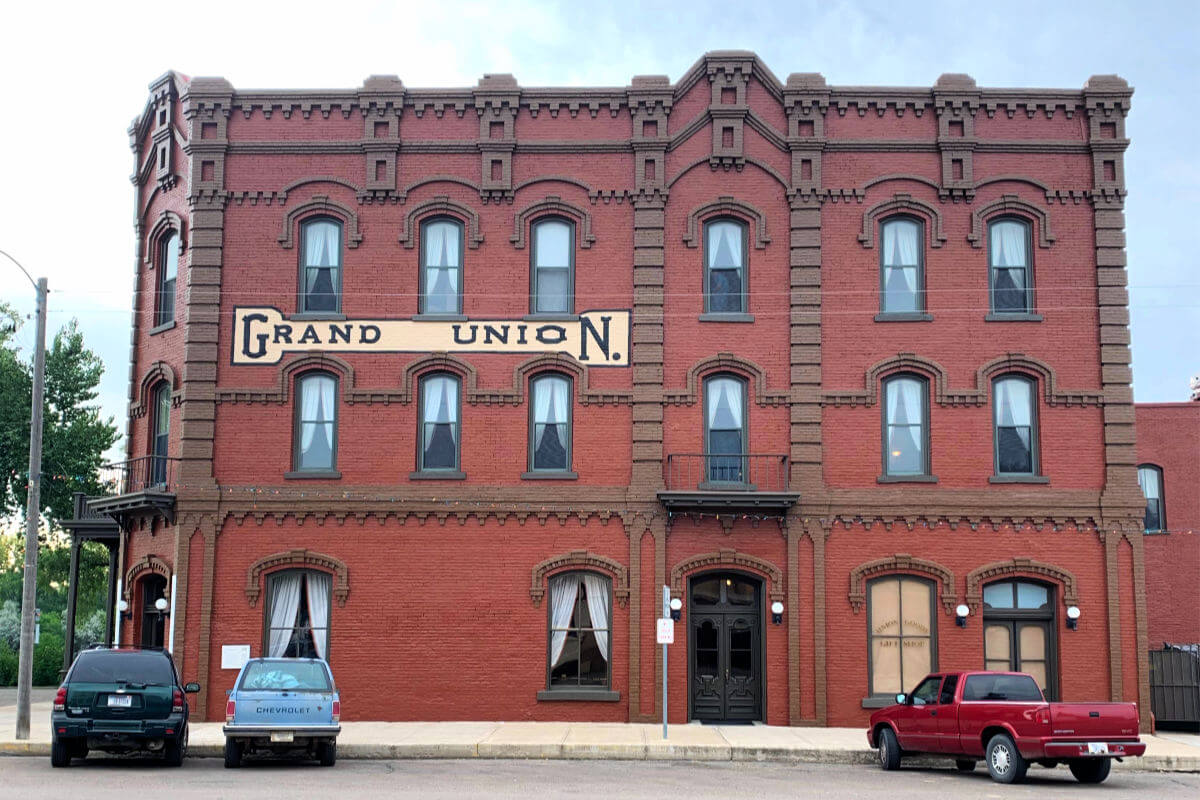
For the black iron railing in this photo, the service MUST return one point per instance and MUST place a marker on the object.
(144, 473)
(740, 472)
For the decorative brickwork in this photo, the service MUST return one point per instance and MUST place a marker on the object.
(303, 559)
(1020, 567)
(582, 560)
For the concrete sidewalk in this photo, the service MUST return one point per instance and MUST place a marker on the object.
(583, 740)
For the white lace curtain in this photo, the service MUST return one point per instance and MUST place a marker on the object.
(549, 403)
(904, 405)
(724, 404)
(441, 402)
(597, 599)
(1014, 404)
(285, 603)
(724, 245)
(318, 585)
(563, 591)
(321, 244)
(1008, 244)
(316, 413)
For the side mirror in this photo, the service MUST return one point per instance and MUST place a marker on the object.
(191, 688)
(900, 698)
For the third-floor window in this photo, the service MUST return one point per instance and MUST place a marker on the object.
(321, 266)
(168, 270)
(1011, 273)
(553, 261)
(724, 267)
(902, 282)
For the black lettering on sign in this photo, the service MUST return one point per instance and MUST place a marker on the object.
(368, 334)
(261, 350)
(460, 340)
(499, 334)
(339, 331)
(283, 333)
(586, 330)
(521, 334)
(544, 333)
(310, 335)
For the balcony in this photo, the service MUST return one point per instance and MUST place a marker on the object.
(745, 482)
(142, 487)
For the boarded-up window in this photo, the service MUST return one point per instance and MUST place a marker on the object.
(901, 637)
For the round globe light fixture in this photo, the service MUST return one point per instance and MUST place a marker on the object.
(1073, 617)
(160, 604)
(777, 607)
(961, 612)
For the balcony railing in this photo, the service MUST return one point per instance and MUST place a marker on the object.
(141, 474)
(744, 472)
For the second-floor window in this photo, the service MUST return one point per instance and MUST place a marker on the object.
(162, 434)
(441, 267)
(1015, 426)
(553, 262)
(725, 429)
(168, 270)
(1150, 478)
(439, 423)
(724, 266)
(901, 278)
(906, 426)
(316, 423)
(321, 266)
(1011, 275)
(550, 424)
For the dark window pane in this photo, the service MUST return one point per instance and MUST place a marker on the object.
(741, 658)
(725, 290)
(1009, 289)
(109, 667)
(440, 449)
(948, 688)
(707, 592)
(593, 668)
(1152, 519)
(738, 592)
(566, 670)
(320, 294)
(1013, 450)
(550, 453)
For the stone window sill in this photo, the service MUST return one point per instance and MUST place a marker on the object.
(578, 695)
(903, 316)
(550, 318)
(437, 475)
(312, 475)
(907, 479)
(878, 702)
(314, 316)
(166, 326)
(430, 317)
(1019, 317)
(549, 476)
(1018, 479)
(726, 316)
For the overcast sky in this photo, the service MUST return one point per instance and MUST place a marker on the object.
(72, 78)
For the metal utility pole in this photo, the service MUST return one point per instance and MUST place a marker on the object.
(32, 511)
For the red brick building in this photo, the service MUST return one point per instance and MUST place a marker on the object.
(445, 384)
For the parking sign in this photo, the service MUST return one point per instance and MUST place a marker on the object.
(666, 631)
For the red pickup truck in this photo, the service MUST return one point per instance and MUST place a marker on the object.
(1002, 718)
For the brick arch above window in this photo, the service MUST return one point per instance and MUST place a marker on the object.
(562, 364)
(149, 564)
(726, 362)
(441, 206)
(1012, 206)
(158, 373)
(907, 204)
(321, 205)
(298, 559)
(901, 564)
(288, 371)
(1020, 568)
(726, 206)
(580, 560)
(553, 206)
(732, 560)
(1042, 372)
(443, 363)
(167, 222)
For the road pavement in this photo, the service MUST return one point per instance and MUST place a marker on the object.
(32, 778)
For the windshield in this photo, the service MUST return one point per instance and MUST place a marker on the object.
(1019, 688)
(107, 666)
(292, 676)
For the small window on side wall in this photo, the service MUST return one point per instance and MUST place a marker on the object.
(553, 265)
(441, 266)
(580, 631)
(1015, 425)
(316, 423)
(550, 424)
(902, 279)
(1011, 272)
(168, 270)
(439, 447)
(906, 426)
(1150, 478)
(724, 266)
(321, 266)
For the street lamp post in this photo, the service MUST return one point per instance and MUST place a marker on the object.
(32, 510)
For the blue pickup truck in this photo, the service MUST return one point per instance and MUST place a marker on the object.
(283, 706)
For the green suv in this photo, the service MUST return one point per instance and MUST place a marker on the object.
(120, 700)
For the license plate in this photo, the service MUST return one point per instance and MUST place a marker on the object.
(120, 701)
(281, 736)
(1098, 748)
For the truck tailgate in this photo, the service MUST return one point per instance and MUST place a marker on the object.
(283, 709)
(1093, 721)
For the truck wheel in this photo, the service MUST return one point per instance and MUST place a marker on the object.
(233, 754)
(1004, 762)
(964, 765)
(60, 752)
(327, 752)
(1090, 770)
(889, 750)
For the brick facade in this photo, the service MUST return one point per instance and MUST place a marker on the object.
(446, 580)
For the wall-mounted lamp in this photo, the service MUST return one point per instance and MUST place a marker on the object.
(676, 609)
(960, 615)
(160, 605)
(1073, 617)
(777, 612)
(123, 608)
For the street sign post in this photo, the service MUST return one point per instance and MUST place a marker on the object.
(666, 636)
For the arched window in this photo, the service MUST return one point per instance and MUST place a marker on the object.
(1019, 631)
(725, 266)
(1150, 478)
(725, 429)
(168, 269)
(315, 445)
(578, 653)
(901, 266)
(441, 266)
(321, 266)
(297, 614)
(1015, 425)
(552, 262)
(439, 448)
(550, 424)
(905, 425)
(1011, 271)
(154, 587)
(901, 633)
(161, 437)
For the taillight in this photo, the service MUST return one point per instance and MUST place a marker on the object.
(230, 707)
(60, 699)
(1043, 716)
(337, 710)
(177, 701)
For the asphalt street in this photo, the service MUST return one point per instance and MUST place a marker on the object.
(208, 778)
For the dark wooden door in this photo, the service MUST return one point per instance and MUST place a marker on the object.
(725, 648)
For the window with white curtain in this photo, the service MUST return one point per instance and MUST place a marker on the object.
(316, 422)
(1150, 478)
(550, 424)
(580, 628)
(1015, 425)
(1011, 275)
(553, 261)
(297, 614)
(321, 266)
(724, 266)
(906, 425)
(441, 266)
(725, 429)
(902, 281)
(162, 434)
(168, 270)
(439, 423)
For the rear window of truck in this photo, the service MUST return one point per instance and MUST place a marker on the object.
(285, 676)
(103, 666)
(1014, 688)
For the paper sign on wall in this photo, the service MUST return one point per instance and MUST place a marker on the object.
(234, 656)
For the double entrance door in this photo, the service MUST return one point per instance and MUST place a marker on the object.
(725, 648)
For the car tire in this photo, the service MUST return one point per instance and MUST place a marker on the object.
(889, 750)
(173, 750)
(964, 765)
(1090, 770)
(233, 754)
(1004, 762)
(60, 752)
(327, 753)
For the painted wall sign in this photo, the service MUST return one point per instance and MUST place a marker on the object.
(596, 338)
